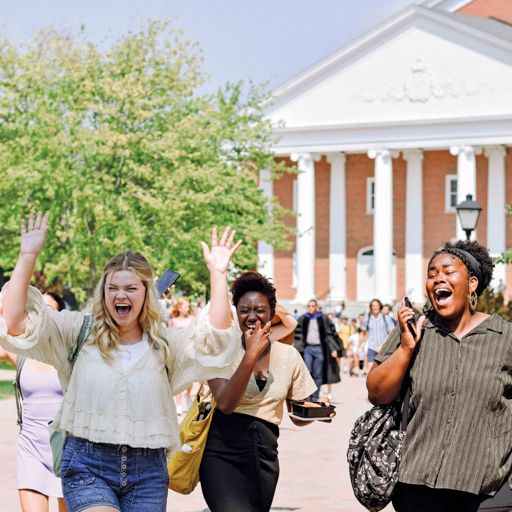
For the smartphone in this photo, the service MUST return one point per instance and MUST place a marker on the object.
(165, 281)
(411, 324)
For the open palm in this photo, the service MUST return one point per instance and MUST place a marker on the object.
(217, 257)
(33, 235)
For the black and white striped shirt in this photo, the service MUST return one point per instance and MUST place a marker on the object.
(460, 433)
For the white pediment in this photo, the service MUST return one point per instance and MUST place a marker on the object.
(421, 65)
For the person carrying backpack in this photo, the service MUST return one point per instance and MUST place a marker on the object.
(378, 326)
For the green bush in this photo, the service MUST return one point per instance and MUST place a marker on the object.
(6, 389)
(494, 302)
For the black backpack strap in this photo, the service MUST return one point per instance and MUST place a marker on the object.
(85, 331)
(367, 323)
(20, 361)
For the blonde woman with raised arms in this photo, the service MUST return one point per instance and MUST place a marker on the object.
(118, 411)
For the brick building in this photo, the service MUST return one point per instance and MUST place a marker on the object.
(389, 134)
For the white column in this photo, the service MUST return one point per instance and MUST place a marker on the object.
(337, 228)
(496, 220)
(414, 288)
(383, 223)
(265, 250)
(466, 178)
(305, 247)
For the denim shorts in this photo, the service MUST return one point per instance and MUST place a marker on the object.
(372, 354)
(119, 476)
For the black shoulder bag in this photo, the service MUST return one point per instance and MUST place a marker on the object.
(374, 450)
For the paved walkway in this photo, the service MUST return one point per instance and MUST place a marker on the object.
(314, 475)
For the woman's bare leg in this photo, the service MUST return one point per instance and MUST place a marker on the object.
(62, 505)
(33, 501)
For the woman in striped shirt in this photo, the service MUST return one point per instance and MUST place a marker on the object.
(458, 447)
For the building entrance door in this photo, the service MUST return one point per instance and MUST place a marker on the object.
(366, 275)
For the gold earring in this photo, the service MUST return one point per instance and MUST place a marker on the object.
(473, 301)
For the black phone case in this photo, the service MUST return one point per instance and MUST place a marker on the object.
(411, 324)
(168, 278)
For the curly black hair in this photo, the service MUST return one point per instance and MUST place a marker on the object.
(254, 282)
(480, 253)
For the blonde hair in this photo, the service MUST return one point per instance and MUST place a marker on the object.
(105, 333)
(176, 306)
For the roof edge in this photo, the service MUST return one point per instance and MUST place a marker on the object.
(281, 92)
(446, 5)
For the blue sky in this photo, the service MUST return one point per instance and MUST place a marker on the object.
(264, 41)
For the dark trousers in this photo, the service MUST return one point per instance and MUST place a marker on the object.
(314, 359)
(420, 498)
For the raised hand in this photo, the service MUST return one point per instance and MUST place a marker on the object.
(33, 236)
(217, 257)
(257, 340)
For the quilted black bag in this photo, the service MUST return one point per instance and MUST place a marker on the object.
(374, 451)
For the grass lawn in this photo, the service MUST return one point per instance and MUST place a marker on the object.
(6, 389)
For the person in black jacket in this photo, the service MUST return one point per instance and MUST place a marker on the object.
(319, 345)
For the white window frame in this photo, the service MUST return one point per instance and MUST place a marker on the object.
(370, 195)
(449, 178)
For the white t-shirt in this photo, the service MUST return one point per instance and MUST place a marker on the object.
(130, 354)
(353, 341)
(356, 346)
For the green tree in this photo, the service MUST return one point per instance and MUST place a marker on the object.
(125, 154)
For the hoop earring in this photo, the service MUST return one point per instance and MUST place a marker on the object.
(473, 301)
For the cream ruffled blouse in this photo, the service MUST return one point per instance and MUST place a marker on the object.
(105, 404)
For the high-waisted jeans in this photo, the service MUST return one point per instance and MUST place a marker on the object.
(128, 479)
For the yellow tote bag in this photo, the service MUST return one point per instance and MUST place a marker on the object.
(184, 464)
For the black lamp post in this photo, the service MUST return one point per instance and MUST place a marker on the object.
(468, 212)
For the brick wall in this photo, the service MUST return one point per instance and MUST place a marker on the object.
(482, 179)
(500, 9)
(322, 212)
(438, 225)
(283, 260)
(359, 223)
(399, 189)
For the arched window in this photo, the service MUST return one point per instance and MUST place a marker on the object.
(366, 274)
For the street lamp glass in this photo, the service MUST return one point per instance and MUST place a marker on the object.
(468, 212)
